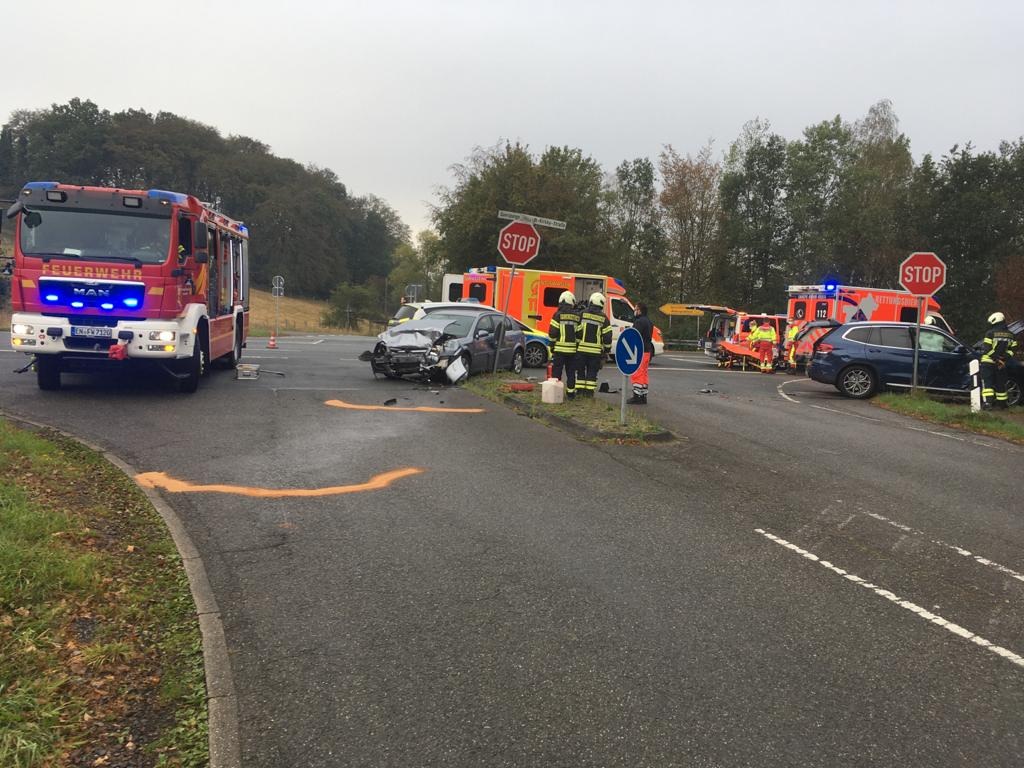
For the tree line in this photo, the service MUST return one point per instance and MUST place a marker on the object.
(304, 224)
(844, 201)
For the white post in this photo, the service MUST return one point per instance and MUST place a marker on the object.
(975, 368)
(917, 343)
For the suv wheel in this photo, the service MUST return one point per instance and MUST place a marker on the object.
(857, 381)
(1013, 392)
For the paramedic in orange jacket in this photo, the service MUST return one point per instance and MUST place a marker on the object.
(763, 339)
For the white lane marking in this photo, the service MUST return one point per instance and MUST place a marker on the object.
(779, 390)
(692, 370)
(940, 434)
(959, 550)
(949, 626)
(265, 357)
(844, 413)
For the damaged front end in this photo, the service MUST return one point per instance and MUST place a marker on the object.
(420, 354)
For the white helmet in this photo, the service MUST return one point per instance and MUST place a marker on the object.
(567, 297)
(597, 299)
(996, 317)
(929, 320)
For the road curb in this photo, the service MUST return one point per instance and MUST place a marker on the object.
(580, 430)
(222, 703)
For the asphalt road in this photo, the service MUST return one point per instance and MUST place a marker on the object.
(799, 580)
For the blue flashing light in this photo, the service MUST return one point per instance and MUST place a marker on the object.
(618, 283)
(243, 229)
(42, 185)
(106, 305)
(830, 287)
(51, 297)
(164, 195)
(131, 303)
(77, 304)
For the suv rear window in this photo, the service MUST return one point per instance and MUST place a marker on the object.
(863, 335)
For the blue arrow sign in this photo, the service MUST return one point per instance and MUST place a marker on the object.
(629, 351)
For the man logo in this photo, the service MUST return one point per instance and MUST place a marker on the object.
(93, 292)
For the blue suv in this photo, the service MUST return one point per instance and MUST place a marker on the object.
(859, 359)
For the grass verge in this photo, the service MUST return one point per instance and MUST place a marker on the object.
(294, 315)
(1008, 425)
(102, 659)
(595, 415)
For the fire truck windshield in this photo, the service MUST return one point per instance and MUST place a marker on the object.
(94, 235)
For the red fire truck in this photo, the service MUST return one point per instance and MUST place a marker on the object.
(111, 277)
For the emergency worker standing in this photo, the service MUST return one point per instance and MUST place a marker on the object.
(997, 348)
(595, 342)
(763, 339)
(791, 333)
(564, 335)
(643, 324)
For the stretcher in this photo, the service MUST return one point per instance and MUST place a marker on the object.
(738, 354)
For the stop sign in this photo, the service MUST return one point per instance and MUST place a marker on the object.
(518, 242)
(923, 273)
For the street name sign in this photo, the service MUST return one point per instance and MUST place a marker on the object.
(539, 220)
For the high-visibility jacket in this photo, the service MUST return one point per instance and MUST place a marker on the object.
(595, 331)
(998, 345)
(564, 330)
(792, 332)
(764, 333)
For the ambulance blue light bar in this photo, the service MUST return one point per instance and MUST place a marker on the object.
(42, 185)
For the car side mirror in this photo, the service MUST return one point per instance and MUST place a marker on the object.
(200, 242)
(481, 332)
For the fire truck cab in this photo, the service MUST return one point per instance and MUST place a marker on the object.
(110, 277)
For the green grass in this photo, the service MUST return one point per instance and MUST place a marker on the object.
(1005, 424)
(596, 414)
(97, 628)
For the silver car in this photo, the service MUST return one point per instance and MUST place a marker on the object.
(452, 343)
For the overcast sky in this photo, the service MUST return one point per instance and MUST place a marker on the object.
(390, 94)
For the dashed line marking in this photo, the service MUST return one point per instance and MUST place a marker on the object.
(959, 550)
(949, 626)
(420, 408)
(376, 483)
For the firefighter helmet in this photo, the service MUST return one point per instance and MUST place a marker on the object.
(996, 317)
(567, 297)
(597, 299)
(929, 320)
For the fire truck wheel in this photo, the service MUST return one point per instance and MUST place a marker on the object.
(194, 369)
(536, 355)
(236, 351)
(857, 381)
(48, 373)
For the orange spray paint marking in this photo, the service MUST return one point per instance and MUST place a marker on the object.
(422, 408)
(375, 483)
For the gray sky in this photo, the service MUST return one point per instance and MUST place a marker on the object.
(390, 94)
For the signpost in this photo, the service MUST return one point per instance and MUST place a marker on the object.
(518, 244)
(553, 223)
(629, 354)
(922, 274)
(278, 291)
(680, 310)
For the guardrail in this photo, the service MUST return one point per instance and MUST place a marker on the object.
(682, 344)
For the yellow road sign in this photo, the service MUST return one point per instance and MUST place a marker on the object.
(679, 309)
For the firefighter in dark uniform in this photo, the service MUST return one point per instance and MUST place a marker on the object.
(595, 344)
(997, 348)
(564, 335)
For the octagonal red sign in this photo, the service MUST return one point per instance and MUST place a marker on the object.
(518, 242)
(923, 274)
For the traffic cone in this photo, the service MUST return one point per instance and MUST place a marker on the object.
(272, 344)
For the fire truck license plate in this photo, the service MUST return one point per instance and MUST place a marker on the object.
(88, 330)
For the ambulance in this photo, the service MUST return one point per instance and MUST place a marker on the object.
(532, 295)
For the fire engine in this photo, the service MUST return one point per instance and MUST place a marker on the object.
(534, 293)
(110, 277)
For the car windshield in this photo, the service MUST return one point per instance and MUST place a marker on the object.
(405, 312)
(621, 310)
(451, 323)
(93, 235)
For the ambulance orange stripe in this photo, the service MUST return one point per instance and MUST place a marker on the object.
(421, 408)
(173, 485)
